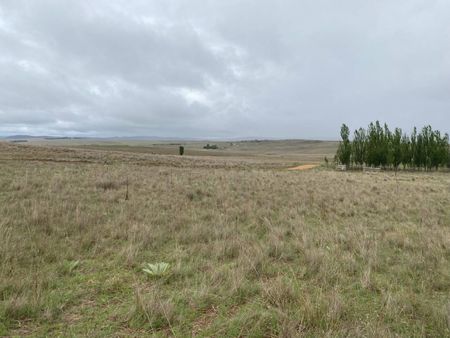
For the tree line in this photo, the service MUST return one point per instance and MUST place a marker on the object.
(377, 146)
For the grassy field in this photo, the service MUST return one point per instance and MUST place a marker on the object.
(281, 151)
(254, 249)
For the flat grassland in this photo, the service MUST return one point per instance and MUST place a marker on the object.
(254, 249)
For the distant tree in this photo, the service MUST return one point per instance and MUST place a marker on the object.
(419, 152)
(385, 151)
(359, 147)
(376, 146)
(371, 146)
(427, 147)
(344, 150)
(406, 151)
(442, 151)
(447, 157)
(435, 149)
(181, 150)
(396, 148)
(413, 149)
(445, 149)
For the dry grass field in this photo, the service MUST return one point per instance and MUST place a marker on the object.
(266, 150)
(254, 249)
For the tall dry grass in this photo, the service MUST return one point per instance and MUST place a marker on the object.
(253, 252)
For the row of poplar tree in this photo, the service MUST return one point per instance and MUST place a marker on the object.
(380, 147)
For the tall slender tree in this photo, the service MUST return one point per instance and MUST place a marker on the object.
(396, 148)
(419, 153)
(359, 147)
(406, 151)
(345, 151)
(387, 149)
(378, 146)
(371, 148)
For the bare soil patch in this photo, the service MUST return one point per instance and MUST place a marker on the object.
(304, 167)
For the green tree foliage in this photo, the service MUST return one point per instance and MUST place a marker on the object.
(396, 148)
(211, 146)
(419, 152)
(378, 146)
(386, 146)
(359, 147)
(345, 148)
(406, 152)
(447, 156)
(445, 151)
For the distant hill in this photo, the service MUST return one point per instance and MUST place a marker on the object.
(158, 138)
(21, 137)
(136, 138)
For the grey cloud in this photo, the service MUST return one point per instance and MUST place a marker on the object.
(222, 68)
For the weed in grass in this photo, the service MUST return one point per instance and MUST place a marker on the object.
(156, 270)
(68, 267)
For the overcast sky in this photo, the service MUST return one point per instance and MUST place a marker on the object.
(222, 68)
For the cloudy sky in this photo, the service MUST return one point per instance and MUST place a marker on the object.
(222, 68)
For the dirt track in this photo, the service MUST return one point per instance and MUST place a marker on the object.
(305, 167)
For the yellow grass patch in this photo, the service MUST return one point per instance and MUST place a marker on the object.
(304, 167)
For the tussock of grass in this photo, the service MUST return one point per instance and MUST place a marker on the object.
(254, 252)
(107, 185)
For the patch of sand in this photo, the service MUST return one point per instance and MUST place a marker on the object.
(304, 167)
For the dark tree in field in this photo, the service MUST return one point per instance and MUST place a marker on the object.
(181, 150)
